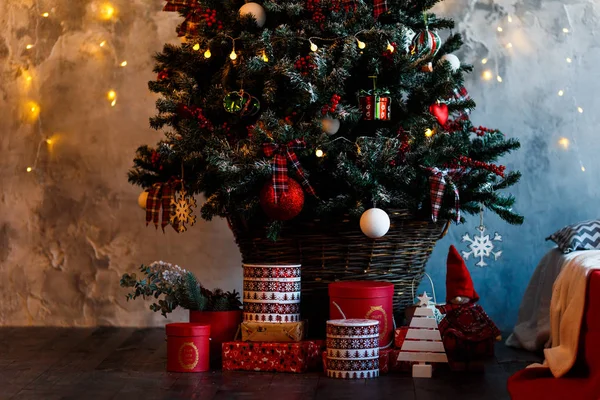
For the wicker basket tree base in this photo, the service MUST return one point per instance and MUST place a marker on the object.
(330, 252)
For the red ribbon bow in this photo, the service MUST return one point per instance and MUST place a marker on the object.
(437, 186)
(160, 195)
(193, 17)
(282, 153)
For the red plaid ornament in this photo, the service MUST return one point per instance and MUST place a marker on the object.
(192, 18)
(379, 7)
(160, 195)
(282, 153)
(437, 185)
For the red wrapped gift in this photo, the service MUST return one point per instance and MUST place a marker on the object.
(295, 357)
(399, 336)
(384, 361)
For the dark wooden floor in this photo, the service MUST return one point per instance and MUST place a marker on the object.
(116, 363)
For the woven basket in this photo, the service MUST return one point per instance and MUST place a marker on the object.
(338, 251)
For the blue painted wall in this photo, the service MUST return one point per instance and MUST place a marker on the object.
(555, 190)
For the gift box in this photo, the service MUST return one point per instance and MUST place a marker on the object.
(375, 105)
(384, 361)
(272, 332)
(399, 336)
(297, 357)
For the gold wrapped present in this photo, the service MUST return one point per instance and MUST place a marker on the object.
(272, 332)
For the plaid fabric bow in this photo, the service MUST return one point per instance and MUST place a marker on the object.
(379, 7)
(160, 195)
(193, 17)
(437, 186)
(282, 153)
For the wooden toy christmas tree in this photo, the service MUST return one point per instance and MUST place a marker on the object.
(423, 341)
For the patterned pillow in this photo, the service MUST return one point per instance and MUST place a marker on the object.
(581, 236)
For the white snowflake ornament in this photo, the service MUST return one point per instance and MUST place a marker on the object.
(481, 246)
(182, 211)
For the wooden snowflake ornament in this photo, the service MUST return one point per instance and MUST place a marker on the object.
(182, 209)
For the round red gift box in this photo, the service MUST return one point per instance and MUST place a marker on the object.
(187, 347)
(365, 300)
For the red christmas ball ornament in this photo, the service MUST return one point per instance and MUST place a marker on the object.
(289, 204)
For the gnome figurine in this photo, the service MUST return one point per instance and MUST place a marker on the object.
(467, 331)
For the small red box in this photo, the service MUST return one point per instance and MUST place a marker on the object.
(187, 347)
(297, 357)
(365, 300)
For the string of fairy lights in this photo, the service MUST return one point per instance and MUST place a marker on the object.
(488, 74)
(104, 11)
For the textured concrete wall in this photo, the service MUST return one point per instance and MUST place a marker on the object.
(71, 227)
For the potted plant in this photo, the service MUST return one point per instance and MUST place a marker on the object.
(172, 286)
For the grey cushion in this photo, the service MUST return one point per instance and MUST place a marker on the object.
(581, 236)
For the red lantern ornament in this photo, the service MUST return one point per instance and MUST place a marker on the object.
(289, 204)
(440, 112)
(164, 74)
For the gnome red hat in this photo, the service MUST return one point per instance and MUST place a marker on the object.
(458, 279)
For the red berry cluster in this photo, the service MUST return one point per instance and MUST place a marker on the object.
(196, 112)
(482, 130)
(225, 127)
(154, 157)
(466, 162)
(305, 65)
(210, 17)
(315, 7)
(335, 101)
(290, 118)
(164, 74)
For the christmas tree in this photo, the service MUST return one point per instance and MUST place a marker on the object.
(330, 107)
(423, 341)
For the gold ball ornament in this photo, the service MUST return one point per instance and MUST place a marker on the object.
(143, 199)
(330, 126)
(256, 11)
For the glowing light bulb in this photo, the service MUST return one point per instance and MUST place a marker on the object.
(49, 141)
(509, 45)
(233, 56)
(361, 45)
(196, 47)
(569, 60)
(499, 78)
(102, 43)
(561, 93)
(313, 46)
(582, 168)
(265, 57)
(45, 15)
(580, 110)
(428, 132)
(500, 29)
(390, 48)
(33, 110)
(107, 11)
(29, 169)
(207, 53)
(319, 153)
(487, 75)
(484, 61)
(509, 18)
(565, 30)
(564, 143)
(113, 103)
(124, 64)
(29, 78)
(29, 46)
(111, 95)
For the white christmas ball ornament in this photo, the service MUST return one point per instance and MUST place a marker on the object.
(257, 11)
(330, 125)
(143, 199)
(375, 223)
(452, 59)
